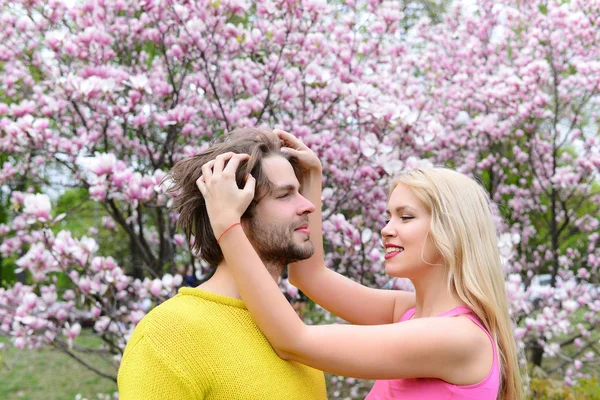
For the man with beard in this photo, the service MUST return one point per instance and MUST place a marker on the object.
(203, 343)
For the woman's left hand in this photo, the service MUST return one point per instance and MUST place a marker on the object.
(225, 201)
(309, 161)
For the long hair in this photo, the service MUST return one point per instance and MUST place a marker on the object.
(463, 231)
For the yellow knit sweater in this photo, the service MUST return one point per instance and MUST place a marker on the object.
(201, 345)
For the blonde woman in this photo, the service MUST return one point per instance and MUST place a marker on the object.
(451, 339)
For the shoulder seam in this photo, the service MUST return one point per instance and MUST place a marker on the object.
(162, 359)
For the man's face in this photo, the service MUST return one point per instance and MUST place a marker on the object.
(278, 230)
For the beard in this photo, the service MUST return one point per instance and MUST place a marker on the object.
(275, 244)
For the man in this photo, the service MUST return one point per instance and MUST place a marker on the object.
(203, 343)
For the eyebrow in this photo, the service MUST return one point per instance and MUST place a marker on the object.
(400, 209)
(284, 188)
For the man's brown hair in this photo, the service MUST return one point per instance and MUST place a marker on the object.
(188, 201)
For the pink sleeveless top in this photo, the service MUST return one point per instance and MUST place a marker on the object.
(433, 388)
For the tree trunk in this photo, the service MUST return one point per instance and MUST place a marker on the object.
(136, 266)
(536, 355)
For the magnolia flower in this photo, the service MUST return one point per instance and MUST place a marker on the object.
(95, 84)
(136, 316)
(138, 82)
(156, 287)
(179, 239)
(71, 332)
(19, 343)
(30, 300)
(38, 206)
(288, 288)
(462, 118)
(102, 163)
(570, 306)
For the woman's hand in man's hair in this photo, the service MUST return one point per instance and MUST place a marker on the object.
(225, 201)
(294, 146)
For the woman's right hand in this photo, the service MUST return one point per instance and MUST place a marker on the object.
(225, 202)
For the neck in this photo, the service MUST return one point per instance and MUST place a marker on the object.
(432, 294)
(222, 281)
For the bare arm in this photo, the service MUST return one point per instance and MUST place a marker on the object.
(336, 293)
(429, 347)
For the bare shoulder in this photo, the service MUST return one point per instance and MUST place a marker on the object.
(404, 301)
(471, 349)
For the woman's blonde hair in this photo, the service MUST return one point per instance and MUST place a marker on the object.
(463, 230)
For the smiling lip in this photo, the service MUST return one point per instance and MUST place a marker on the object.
(390, 255)
(393, 246)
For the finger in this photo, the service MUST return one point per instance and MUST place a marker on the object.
(290, 151)
(234, 163)
(289, 140)
(250, 185)
(207, 171)
(201, 185)
(220, 162)
(283, 135)
(277, 131)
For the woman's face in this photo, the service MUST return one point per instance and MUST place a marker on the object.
(408, 245)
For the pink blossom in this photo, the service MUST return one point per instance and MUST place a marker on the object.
(85, 285)
(102, 324)
(156, 287)
(288, 288)
(179, 239)
(30, 300)
(102, 163)
(96, 312)
(71, 332)
(98, 192)
(136, 316)
(19, 342)
(61, 314)
(38, 206)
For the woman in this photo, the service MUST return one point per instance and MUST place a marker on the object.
(454, 340)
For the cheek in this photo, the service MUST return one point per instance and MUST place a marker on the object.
(417, 234)
(432, 253)
(421, 238)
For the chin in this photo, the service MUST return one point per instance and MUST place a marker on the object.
(307, 249)
(394, 271)
(304, 243)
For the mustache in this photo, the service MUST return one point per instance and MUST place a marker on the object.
(303, 222)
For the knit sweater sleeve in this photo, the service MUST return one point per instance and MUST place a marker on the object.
(145, 374)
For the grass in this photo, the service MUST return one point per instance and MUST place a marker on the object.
(51, 375)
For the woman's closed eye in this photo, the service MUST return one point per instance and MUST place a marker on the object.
(403, 218)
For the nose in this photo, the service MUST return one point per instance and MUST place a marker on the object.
(305, 206)
(388, 230)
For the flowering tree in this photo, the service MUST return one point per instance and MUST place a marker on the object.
(509, 92)
(108, 95)
(516, 90)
